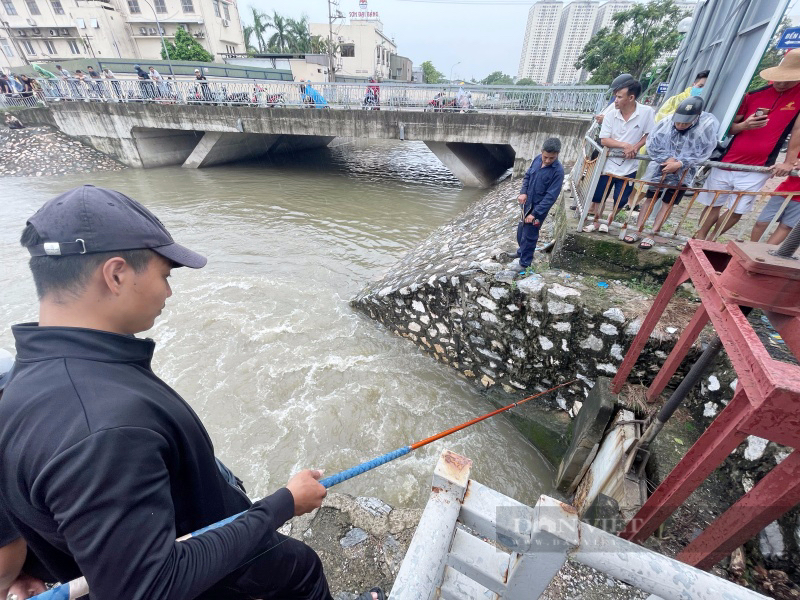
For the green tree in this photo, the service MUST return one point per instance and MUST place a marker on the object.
(300, 40)
(248, 32)
(772, 56)
(279, 41)
(261, 22)
(497, 78)
(185, 47)
(637, 38)
(430, 73)
(526, 81)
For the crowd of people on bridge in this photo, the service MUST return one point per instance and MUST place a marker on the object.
(682, 136)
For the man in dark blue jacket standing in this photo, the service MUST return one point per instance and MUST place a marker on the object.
(540, 188)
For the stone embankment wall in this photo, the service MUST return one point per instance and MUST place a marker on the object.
(458, 297)
(40, 150)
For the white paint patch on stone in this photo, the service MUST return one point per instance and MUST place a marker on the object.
(425, 319)
(755, 447)
(442, 328)
(592, 343)
(489, 354)
(608, 329)
(671, 330)
(535, 305)
(512, 307)
(616, 352)
(734, 383)
(562, 326)
(498, 292)
(564, 346)
(748, 483)
(559, 308)
(710, 409)
(519, 353)
(562, 291)
(614, 314)
(418, 306)
(454, 281)
(713, 383)
(487, 303)
(385, 291)
(532, 321)
(414, 327)
(607, 368)
(531, 285)
(660, 354)
(487, 381)
(488, 317)
(781, 455)
(634, 326)
(404, 291)
(770, 541)
(545, 343)
(561, 402)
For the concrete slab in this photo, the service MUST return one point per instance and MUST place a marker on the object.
(590, 424)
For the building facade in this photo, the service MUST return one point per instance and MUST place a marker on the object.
(606, 12)
(537, 48)
(55, 30)
(574, 31)
(364, 50)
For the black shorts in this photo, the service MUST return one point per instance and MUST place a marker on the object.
(665, 194)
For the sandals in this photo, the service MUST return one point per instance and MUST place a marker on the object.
(368, 595)
(647, 243)
(631, 238)
(602, 228)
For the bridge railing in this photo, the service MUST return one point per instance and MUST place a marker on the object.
(382, 96)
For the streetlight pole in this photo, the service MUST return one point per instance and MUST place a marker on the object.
(161, 35)
(451, 71)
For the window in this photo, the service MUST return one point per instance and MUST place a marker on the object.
(226, 11)
(187, 6)
(27, 46)
(9, 6)
(57, 8)
(161, 6)
(81, 23)
(6, 48)
(133, 6)
(93, 23)
(216, 8)
(348, 50)
(33, 8)
(73, 47)
(49, 47)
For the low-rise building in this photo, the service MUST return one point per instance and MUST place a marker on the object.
(363, 50)
(54, 30)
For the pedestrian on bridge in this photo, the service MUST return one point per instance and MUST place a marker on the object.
(540, 189)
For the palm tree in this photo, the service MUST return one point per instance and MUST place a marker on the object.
(261, 23)
(279, 41)
(248, 31)
(299, 35)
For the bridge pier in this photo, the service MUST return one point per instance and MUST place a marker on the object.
(155, 147)
(475, 165)
(216, 148)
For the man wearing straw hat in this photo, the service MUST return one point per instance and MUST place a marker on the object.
(104, 465)
(764, 119)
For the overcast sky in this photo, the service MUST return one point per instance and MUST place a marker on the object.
(483, 38)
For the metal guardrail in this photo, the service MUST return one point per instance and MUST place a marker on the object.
(669, 219)
(274, 94)
(486, 545)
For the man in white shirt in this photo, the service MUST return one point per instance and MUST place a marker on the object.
(625, 128)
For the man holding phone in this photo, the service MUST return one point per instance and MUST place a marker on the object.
(764, 119)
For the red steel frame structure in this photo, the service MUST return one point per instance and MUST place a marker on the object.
(766, 402)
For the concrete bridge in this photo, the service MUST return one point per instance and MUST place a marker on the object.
(477, 147)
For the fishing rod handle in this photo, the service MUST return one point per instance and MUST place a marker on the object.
(363, 467)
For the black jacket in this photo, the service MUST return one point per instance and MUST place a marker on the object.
(103, 466)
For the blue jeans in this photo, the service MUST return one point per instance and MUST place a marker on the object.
(616, 186)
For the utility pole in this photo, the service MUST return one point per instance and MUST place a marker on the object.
(331, 66)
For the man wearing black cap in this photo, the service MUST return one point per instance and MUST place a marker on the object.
(104, 465)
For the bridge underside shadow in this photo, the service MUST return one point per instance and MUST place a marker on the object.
(197, 149)
(475, 165)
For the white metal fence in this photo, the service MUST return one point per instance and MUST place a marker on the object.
(473, 542)
(382, 96)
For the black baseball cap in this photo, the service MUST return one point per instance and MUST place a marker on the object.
(90, 219)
